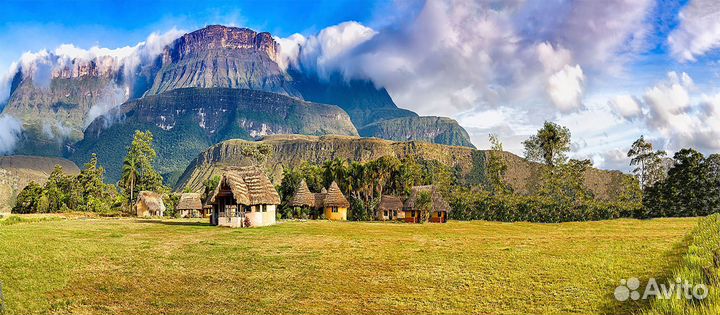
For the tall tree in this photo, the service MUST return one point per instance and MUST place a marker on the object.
(648, 163)
(550, 145)
(496, 167)
(129, 177)
(140, 174)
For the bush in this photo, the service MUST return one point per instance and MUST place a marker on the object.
(700, 265)
(476, 204)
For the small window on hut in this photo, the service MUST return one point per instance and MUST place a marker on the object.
(335, 209)
(394, 213)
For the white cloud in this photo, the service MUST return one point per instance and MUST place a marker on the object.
(699, 30)
(325, 52)
(10, 131)
(626, 105)
(565, 88)
(67, 59)
(675, 114)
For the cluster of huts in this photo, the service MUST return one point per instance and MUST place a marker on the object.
(334, 205)
(246, 197)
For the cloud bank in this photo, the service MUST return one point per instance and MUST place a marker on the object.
(10, 131)
(699, 30)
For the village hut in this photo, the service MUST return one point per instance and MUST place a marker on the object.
(303, 197)
(244, 197)
(439, 207)
(190, 205)
(390, 208)
(335, 204)
(149, 204)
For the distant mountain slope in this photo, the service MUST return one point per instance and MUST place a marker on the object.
(292, 150)
(18, 171)
(186, 121)
(427, 128)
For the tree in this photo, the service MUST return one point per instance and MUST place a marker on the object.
(496, 167)
(130, 175)
(649, 165)
(550, 145)
(423, 202)
(138, 172)
(28, 199)
(566, 182)
(690, 188)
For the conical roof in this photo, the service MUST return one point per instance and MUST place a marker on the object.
(335, 198)
(303, 197)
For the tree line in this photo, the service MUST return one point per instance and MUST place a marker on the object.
(88, 192)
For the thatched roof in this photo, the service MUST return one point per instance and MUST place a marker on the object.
(153, 201)
(303, 197)
(438, 203)
(388, 202)
(189, 201)
(319, 200)
(335, 198)
(249, 186)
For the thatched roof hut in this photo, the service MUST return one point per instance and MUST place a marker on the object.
(249, 185)
(335, 198)
(189, 201)
(388, 202)
(150, 203)
(438, 203)
(303, 197)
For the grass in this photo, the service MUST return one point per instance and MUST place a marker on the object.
(699, 266)
(125, 266)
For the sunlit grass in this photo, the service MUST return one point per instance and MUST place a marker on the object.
(125, 266)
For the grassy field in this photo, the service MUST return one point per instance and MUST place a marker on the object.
(125, 266)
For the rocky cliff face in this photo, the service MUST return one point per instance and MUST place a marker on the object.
(55, 115)
(186, 121)
(219, 56)
(427, 128)
(277, 152)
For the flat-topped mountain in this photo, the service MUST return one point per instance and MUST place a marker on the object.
(219, 56)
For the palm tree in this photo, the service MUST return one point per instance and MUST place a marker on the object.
(130, 174)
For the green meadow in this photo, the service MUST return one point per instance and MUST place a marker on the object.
(130, 266)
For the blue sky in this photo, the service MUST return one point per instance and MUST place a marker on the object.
(35, 25)
(610, 70)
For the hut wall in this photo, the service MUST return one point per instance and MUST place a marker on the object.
(340, 215)
(142, 209)
(234, 222)
(269, 215)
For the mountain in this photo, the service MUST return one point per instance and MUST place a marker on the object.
(279, 151)
(427, 128)
(54, 111)
(186, 121)
(219, 56)
(18, 171)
